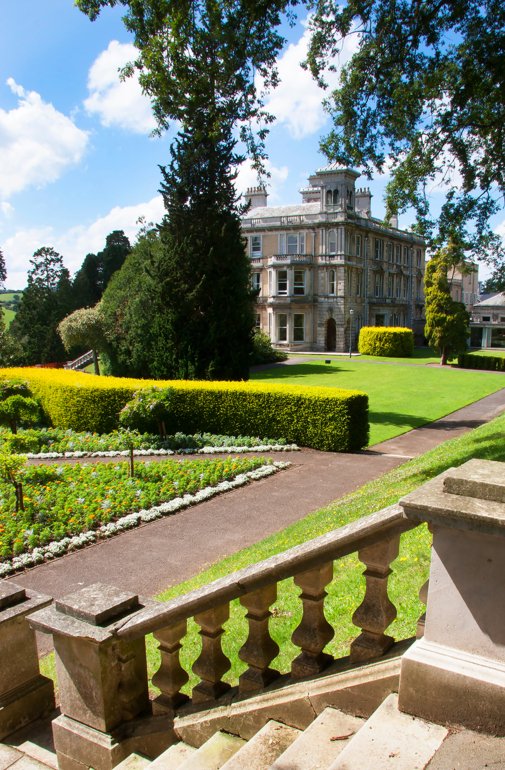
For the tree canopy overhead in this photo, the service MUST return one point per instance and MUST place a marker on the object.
(423, 97)
(196, 49)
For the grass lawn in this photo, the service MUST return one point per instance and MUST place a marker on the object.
(402, 394)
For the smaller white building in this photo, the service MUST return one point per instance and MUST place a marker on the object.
(487, 326)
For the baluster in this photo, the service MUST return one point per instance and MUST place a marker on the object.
(259, 649)
(423, 596)
(170, 676)
(314, 631)
(212, 662)
(376, 611)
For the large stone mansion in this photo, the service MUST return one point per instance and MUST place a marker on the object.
(325, 267)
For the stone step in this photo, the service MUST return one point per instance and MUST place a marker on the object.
(212, 755)
(134, 762)
(173, 757)
(35, 741)
(318, 746)
(263, 749)
(13, 759)
(391, 740)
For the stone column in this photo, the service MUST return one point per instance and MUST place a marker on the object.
(25, 695)
(105, 709)
(456, 672)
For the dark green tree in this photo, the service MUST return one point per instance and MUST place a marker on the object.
(424, 96)
(112, 257)
(86, 286)
(447, 321)
(198, 61)
(3, 270)
(206, 272)
(496, 282)
(132, 319)
(46, 300)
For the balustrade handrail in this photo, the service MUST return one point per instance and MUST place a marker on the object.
(333, 545)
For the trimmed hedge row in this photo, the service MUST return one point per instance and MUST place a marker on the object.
(322, 418)
(386, 341)
(474, 361)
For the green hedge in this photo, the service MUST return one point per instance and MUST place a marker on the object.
(474, 361)
(386, 341)
(322, 418)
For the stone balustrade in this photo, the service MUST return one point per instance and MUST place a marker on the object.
(455, 672)
(99, 639)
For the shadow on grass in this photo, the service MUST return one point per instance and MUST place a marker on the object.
(299, 370)
(397, 418)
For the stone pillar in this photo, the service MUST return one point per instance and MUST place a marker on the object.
(456, 672)
(25, 695)
(105, 709)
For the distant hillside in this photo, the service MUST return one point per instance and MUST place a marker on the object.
(9, 300)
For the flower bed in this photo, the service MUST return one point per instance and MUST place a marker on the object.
(80, 503)
(49, 443)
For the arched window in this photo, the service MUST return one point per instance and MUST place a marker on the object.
(332, 282)
(332, 242)
(329, 198)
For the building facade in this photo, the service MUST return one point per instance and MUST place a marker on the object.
(325, 267)
(487, 325)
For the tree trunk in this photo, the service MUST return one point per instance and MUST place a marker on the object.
(444, 357)
(95, 362)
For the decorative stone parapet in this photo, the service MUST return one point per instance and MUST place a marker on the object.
(25, 695)
(105, 709)
(456, 672)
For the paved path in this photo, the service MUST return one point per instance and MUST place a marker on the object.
(155, 556)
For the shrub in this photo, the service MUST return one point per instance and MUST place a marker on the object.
(323, 418)
(149, 411)
(474, 361)
(263, 352)
(386, 341)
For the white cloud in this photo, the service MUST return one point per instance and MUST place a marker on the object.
(297, 101)
(118, 102)
(6, 208)
(75, 243)
(37, 143)
(247, 177)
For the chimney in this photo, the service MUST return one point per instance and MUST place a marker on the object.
(363, 201)
(256, 197)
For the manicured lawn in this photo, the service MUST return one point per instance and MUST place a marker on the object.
(402, 395)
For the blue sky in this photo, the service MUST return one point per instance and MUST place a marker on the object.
(76, 156)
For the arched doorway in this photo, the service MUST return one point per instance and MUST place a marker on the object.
(331, 334)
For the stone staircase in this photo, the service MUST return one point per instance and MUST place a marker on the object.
(387, 740)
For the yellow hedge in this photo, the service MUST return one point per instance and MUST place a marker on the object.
(392, 341)
(323, 418)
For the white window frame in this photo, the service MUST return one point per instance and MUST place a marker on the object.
(332, 283)
(298, 327)
(299, 283)
(378, 248)
(256, 282)
(256, 245)
(281, 280)
(281, 328)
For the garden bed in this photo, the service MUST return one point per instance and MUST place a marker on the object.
(49, 443)
(69, 506)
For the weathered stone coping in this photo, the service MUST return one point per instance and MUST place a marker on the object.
(470, 497)
(333, 545)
